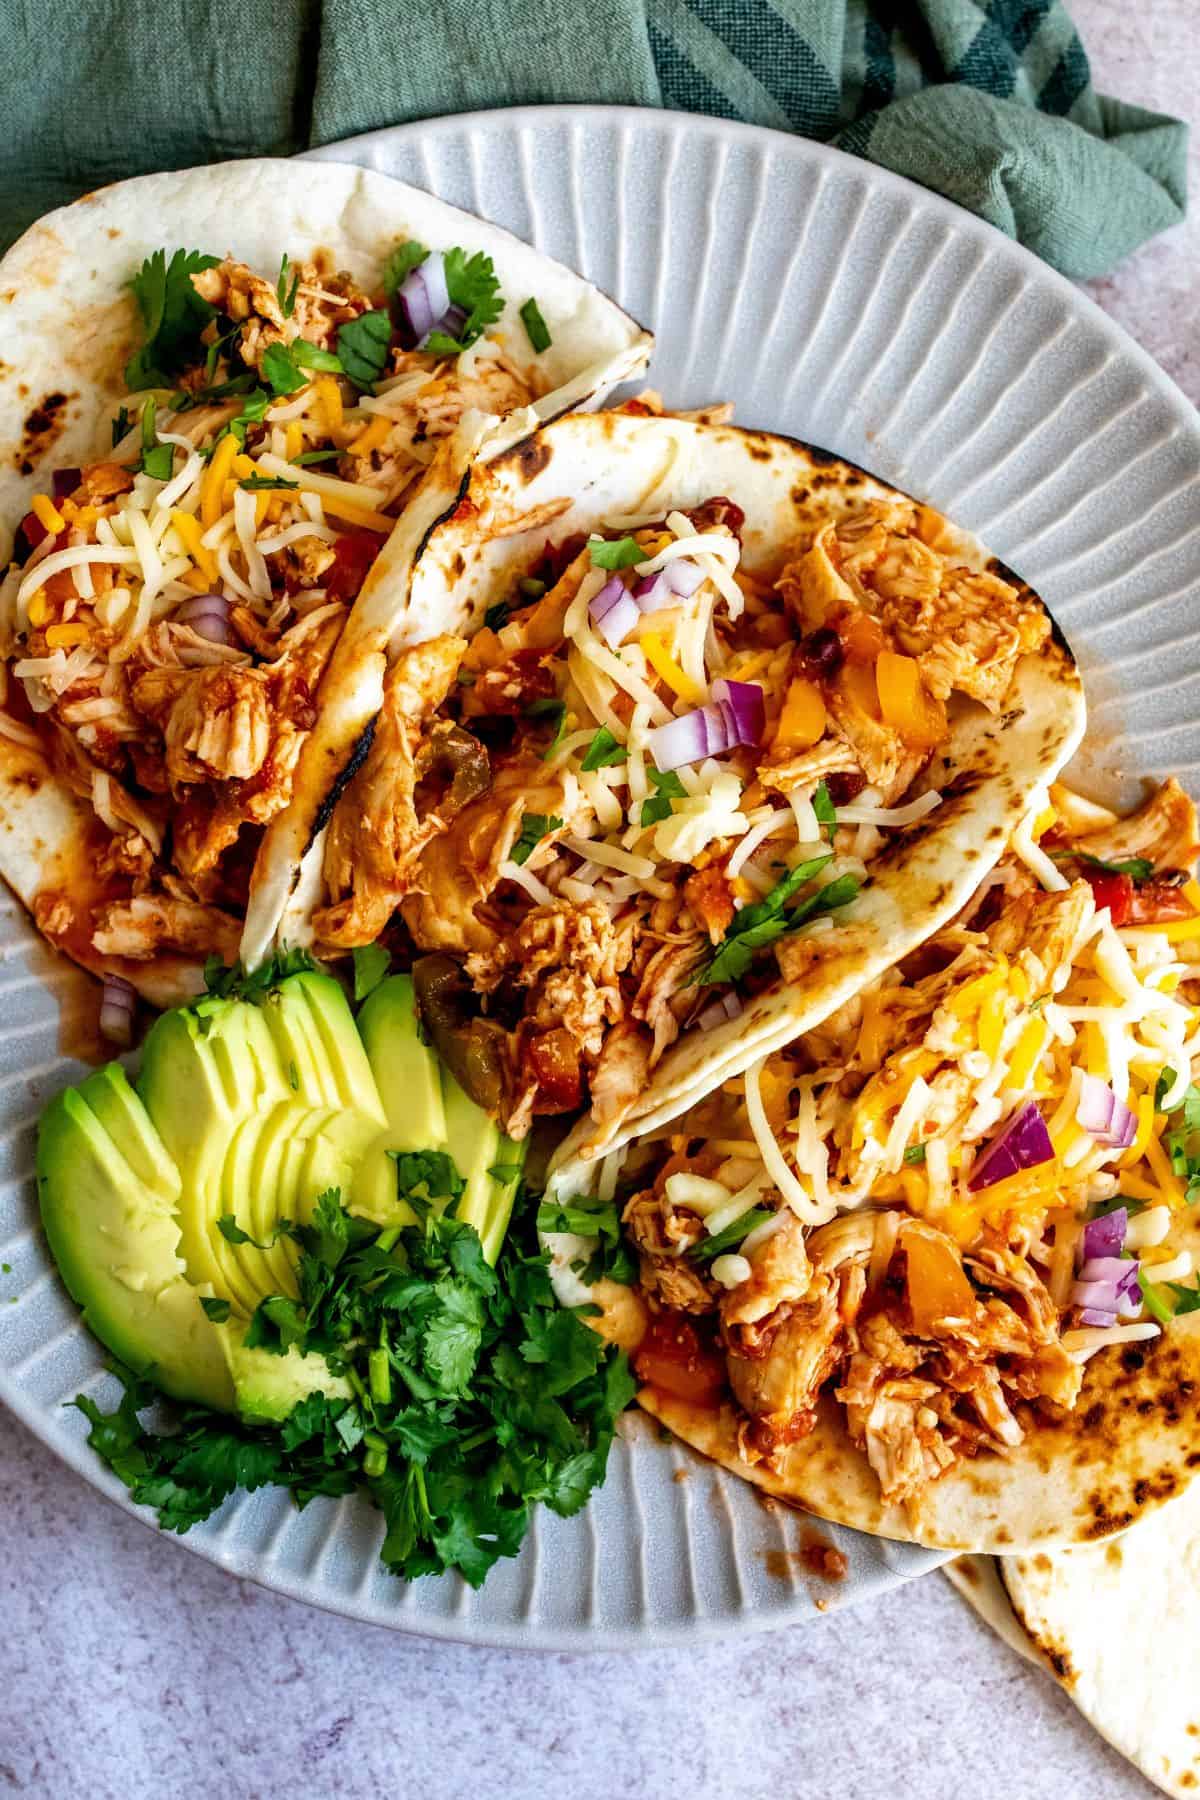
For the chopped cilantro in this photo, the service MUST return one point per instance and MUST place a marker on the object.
(536, 328)
(363, 345)
(285, 294)
(235, 983)
(1187, 1299)
(400, 264)
(284, 365)
(824, 808)
(551, 708)
(1101, 1208)
(476, 1398)
(1138, 868)
(1180, 1142)
(731, 1237)
(496, 617)
(173, 315)
(254, 408)
(534, 827)
(256, 484)
(120, 425)
(598, 1219)
(915, 1153)
(371, 964)
(474, 287)
(232, 1232)
(315, 456)
(759, 924)
(667, 787)
(604, 751)
(619, 553)
(157, 459)
(216, 1309)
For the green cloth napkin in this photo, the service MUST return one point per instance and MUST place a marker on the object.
(988, 103)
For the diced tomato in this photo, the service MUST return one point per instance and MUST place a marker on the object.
(353, 555)
(554, 1059)
(1157, 903)
(1113, 891)
(673, 1357)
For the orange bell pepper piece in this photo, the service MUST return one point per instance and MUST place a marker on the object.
(905, 703)
(937, 1286)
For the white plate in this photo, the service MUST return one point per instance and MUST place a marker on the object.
(842, 305)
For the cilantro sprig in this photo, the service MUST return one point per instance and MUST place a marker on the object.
(615, 553)
(667, 787)
(764, 921)
(604, 752)
(475, 1397)
(173, 316)
(611, 1259)
(534, 827)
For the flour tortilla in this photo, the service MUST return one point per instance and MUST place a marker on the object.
(70, 324)
(604, 467)
(1114, 1624)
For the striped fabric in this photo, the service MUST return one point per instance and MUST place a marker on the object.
(990, 104)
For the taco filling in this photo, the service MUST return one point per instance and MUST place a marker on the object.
(646, 786)
(173, 604)
(928, 1214)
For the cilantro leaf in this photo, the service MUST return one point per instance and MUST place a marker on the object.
(216, 1309)
(371, 964)
(592, 1219)
(1187, 1299)
(362, 346)
(757, 925)
(822, 805)
(534, 827)
(536, 329)
(496, 617)
(285, 294)
(257, 484)
(315, 456)
(232, 1232)
(157, 459)
(617, 553)
(120, 425)
(729, 1239)
(1138, 868)
(400, 264)
(473, 287)
(235, 983)
(604, 751)
(667, 787)
(550, 708)
(277, 1325)
(284, 365)
(173, 316)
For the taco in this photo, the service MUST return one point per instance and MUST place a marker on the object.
(737, 726)
(1112, 1624)
(930, 1270)
(232, 401)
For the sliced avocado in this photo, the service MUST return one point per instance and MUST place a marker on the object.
(478, 1146)
(406, 1070)
(217, 1086)
(107, 1199)
(427, 1110)
(268, 1387)
(322, 1054)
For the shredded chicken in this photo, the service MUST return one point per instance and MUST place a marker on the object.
(216, 723)
(322, 304)
(149, 923)
(376, 834)
(1043, 932)
(1163, 830)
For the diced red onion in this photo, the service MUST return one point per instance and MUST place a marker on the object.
(208, 616)
(64, 482)
(741, 704)
(422, 299)
(1103, 1116)
(719, 1011)
(1107, 1268)
(1023, 1144)
(1104, 1236)
(614, 611)
(452, 321)
(1093, 1315)
(735, 716)
(118, 1002)
(1108, 1284)
(676, 581)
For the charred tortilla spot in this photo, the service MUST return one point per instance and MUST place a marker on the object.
(354, 762)
(759, 452)
(532, 457)
(42, 426)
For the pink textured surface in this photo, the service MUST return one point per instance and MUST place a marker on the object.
(130, 1670)
(1148, 52)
